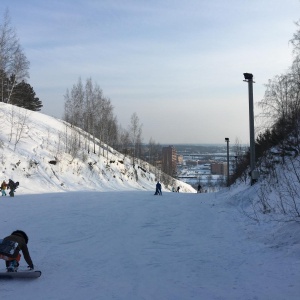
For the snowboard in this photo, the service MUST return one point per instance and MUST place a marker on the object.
(20, 274)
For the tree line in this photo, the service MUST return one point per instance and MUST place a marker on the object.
(87, 108)
(279, 117)
(85, 105)
(278, 141)
(14, 70)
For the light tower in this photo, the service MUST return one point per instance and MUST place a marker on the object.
(254, 174)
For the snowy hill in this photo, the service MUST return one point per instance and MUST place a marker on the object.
(42, 153)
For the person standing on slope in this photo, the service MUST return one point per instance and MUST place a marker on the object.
(159, 188)
(3, 188)
(199, 188)
(12, 186)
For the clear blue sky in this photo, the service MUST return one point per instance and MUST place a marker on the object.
(178, 64)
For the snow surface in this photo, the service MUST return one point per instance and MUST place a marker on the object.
(134, 245)
(102, 234)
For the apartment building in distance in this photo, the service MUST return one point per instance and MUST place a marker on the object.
(180, 159)
(218, 168)
(169, 160)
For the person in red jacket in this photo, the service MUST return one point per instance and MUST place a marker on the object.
(12, 263)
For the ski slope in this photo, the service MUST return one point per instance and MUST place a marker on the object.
(133, 245)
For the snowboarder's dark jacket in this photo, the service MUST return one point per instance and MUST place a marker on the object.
(12, 185)
(21, 246)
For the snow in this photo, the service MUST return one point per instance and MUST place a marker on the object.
(134, 245)
(26, 150)
(116, 240)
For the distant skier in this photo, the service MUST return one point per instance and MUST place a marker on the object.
(12, 186)
(158, 189)
(12, 263)
(3, 188)
(178, 188)
(199, 188)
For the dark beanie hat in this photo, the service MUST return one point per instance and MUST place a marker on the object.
(21, 234)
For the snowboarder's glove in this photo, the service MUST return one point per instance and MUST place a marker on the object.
(30, 267)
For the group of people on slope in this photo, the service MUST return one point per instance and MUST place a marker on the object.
(176, 189)
(158, 189)
(11, 185)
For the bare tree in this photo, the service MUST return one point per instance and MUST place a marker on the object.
(90, 105)
(14, 65)
(18, 119)
(123, 141)
(154, 151)
(135, 133)
(151, 151)
(279, 144)
(21, 126)
(11, 118)
(275, 105)
(74, 105)
(87, 108)
(296, 39)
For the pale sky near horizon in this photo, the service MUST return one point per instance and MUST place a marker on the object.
(178, 64)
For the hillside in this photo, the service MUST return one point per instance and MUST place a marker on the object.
(46, 155)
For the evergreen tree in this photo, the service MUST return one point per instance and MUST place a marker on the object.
(24, 96)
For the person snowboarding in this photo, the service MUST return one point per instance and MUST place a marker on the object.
(12, 260)
(3, 188)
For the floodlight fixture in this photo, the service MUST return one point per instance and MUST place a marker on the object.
(248, 76)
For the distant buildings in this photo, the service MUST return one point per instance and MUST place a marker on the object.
(169, 160)
(191, 163)
(218, 168)
(180, 159)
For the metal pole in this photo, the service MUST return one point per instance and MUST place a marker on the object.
(227, 140)
(249, 79)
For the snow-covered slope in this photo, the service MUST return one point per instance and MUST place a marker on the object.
(30, 140)
(131, 245)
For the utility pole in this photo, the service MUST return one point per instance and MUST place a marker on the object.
(254, 174)
(227, 141)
